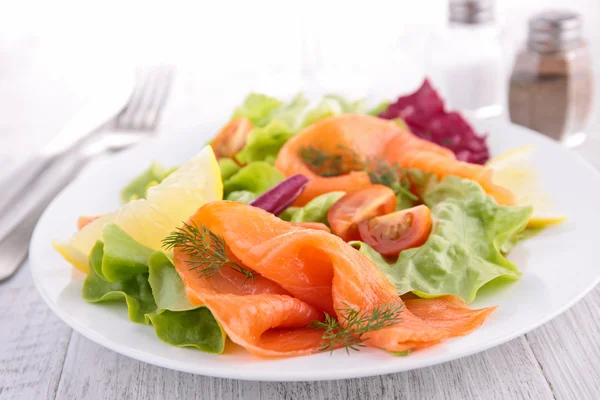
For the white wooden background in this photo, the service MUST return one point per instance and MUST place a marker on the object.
(46, 66)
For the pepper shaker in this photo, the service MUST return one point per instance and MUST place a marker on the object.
(551, 82)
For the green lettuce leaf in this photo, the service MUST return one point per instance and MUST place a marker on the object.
(462, 252)
(135, 291)
(316, 210)
(194, 328)
(414, 181)
(401, 123)
(288, 213)
(261, 110)
(333, 105)
(291, 114)
(138, 187)
(277, 123)
(400, 353)
(525, 234)
(167, 287)
(156, 297)
(228, 168)
(257, 108)
(257, 177)
(379, 108)
(403, 201)
(241, 196)
(263, 144)
(124, 257)
(420, 179)
(177, 320)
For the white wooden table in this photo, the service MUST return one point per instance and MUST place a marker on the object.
(42, 358)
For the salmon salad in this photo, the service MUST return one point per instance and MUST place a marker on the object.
(313, 226)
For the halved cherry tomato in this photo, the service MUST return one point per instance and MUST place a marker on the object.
(392, 233)
(232, 137)
(84, 220)
(359, 206)
(312, 225)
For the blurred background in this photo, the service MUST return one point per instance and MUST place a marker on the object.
(55, 56)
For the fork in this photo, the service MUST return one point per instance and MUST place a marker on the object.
(136, 121)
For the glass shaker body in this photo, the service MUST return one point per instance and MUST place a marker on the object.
(551, 92)
(466, 64)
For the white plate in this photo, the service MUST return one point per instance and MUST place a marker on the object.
(558, 269)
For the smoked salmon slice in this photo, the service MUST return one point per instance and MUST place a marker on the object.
(369, 136)
(301, 274)
(449, 313)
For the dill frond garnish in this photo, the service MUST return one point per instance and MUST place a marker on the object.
(327, 164)
(206, 250)
(380, 171)
(355, 324)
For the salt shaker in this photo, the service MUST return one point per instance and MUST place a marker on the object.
(466, 61)
(551, 82)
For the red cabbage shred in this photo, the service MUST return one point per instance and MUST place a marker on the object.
(423, 111)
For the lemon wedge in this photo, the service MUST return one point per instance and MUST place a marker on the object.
(514, 170)
(150, 220)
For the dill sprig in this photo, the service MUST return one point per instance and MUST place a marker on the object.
(391, 175)
(382, 172)
(327, 164)
(352, 324)
(206, 250)
(379, 169)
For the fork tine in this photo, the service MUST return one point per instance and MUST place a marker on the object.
(153, 82)
(157, 101)
(125, 117)
(151, 90)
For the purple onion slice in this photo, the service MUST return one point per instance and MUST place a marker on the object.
(280, 197)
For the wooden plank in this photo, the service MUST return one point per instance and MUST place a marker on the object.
(33, 341)
(507, 372)
(93, 372)
(568, 350)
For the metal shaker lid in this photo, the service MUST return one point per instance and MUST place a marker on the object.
(554, 30)
(471, 11)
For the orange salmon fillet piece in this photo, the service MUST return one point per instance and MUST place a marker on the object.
(303, 273)
(370, 136)
(449, 313)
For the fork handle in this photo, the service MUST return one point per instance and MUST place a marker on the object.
(56, 176)
(21, 177)
(15, 238)
(14, 247)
